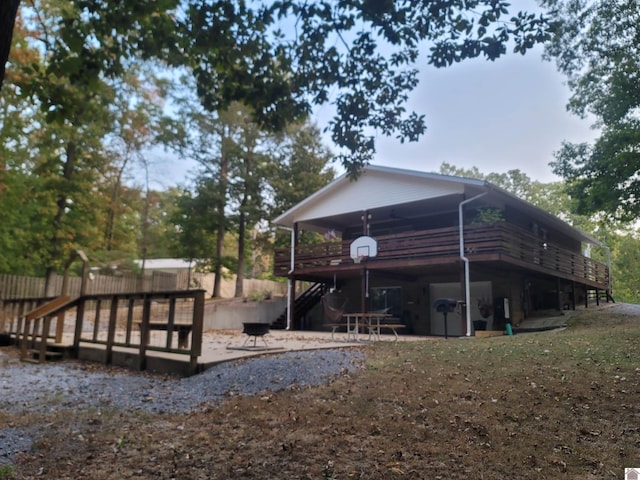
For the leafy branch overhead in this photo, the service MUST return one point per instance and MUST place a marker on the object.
(596, 46)
(281, 58)
(362, 57)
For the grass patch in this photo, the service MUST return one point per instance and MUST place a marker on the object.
(560, 404)
(7, 472)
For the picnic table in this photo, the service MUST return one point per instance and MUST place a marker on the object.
(371, 323)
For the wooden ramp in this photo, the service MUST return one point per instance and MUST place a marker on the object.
(48, 308)
(34, 344)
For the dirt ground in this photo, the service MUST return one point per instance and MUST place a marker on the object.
(560, 404)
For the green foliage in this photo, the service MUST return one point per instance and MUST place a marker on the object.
(259, 296)
(7, 472)
(163, 236)
(488, 215)
(73, 123)
(625, 258)
(79, 107)
(282, 57)
(550, 197)
(195, 219)
(25, 232)
(603, 177)
(596, 46)
(302, 168)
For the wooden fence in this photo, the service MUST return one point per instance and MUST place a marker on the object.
(14, 286)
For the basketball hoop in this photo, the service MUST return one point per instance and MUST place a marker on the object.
(362, 248)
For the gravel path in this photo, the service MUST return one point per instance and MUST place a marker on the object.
(39, 388)
(74, 385)
(625, 308)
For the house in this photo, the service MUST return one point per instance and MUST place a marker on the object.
(397, 241)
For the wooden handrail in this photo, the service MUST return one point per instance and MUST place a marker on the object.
(117, 328)
(499, 241)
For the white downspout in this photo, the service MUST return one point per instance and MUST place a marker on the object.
(289, 284)
(467, 286)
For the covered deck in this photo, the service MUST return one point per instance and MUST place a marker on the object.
(412, 252)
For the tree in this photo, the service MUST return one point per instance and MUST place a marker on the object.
(59, 117)
(8, 11)
(67, 86)
(248, 180)
(280, 58)
(303, 167)
(625, 255)
(162, 232)
(597, 46)
(210, 140)
(195, 220)
(513, 181)
(550, 197)
(136, 111)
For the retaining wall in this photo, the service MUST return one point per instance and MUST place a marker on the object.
(231, 316)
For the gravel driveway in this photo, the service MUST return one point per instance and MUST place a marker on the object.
(79, 386)
(74, 385)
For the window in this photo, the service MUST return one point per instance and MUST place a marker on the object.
(387, 300)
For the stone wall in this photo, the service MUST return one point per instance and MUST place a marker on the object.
(231, 315)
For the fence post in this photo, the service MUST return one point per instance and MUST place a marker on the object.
(144, 333)
(78, 330)
(111, 333)
(196, 332)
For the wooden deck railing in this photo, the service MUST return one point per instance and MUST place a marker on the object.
(500, 242)
(169, 322)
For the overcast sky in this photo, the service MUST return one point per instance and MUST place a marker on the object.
(497, 116)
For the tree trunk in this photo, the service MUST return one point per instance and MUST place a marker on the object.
(222, 195)
(217, 282)
(109, 233)
(241, 248)
(56, 250)
(8, 11)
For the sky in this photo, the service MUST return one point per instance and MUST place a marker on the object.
(497, 116)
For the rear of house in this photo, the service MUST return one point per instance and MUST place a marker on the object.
(397, 241)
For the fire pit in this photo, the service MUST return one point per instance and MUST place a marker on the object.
(255, 330)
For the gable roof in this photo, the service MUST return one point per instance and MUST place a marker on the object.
(380, 187)
(376, 187)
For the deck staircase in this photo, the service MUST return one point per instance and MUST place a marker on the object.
(304, 303)
(597, 296)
